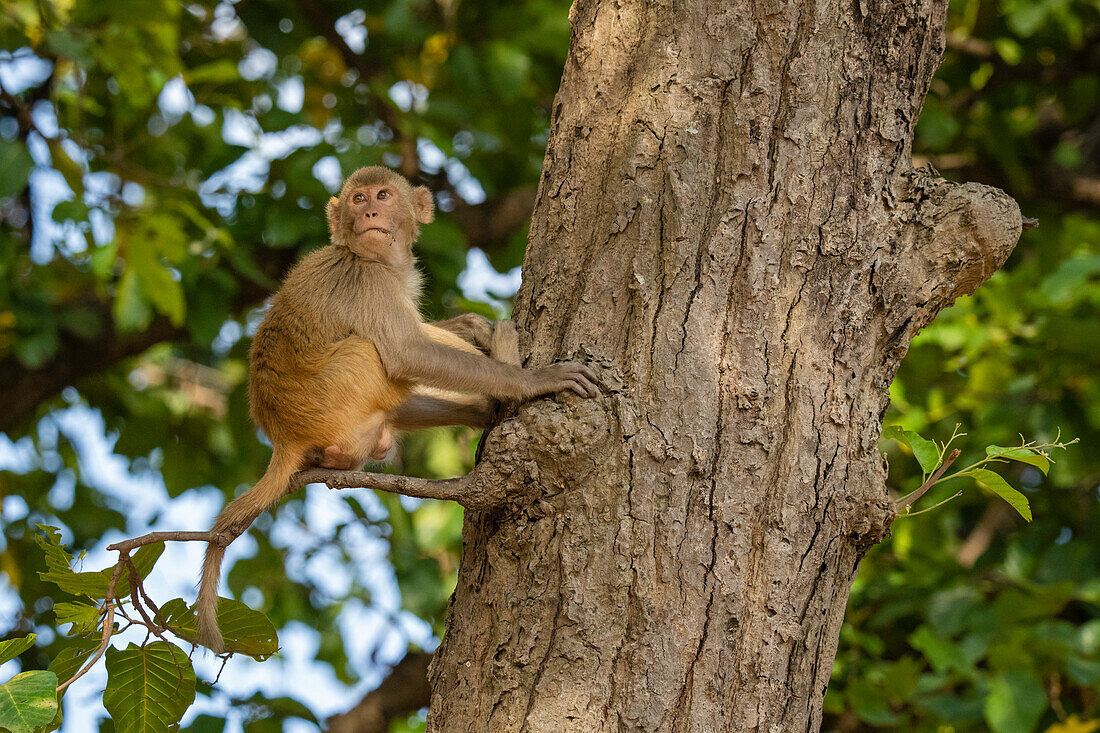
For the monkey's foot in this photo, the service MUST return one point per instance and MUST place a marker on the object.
(383, 444)
(337, 458)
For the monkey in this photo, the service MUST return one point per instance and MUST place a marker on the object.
(343, 357)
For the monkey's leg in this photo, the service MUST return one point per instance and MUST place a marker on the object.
(470, 327)
(504, 342)
(428, 411)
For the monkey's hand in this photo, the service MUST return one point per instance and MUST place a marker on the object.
(567, 375)
(477, 330)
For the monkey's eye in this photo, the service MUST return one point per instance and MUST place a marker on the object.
(383, 195)
(358, 198)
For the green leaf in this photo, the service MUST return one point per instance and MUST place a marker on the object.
(206, 724)
(278, 708)
(1015, 702)
(95, 584)
(945, 654)
(924, 450)
(245, 630)
(49, 541)
(82, 322)
(28, 700)
(148, 688)
(131, 310)
(221, 71)
(36, 349)
(17, 165)
(991, 481)
(70, 210)
(1071, 278)
(83, 616)
(157, 284)
(1023, 455)
(12, 648)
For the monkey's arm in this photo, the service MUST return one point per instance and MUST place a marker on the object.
(427, 411)
(444, 408)
(418, 359)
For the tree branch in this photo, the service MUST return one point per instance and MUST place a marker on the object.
(460, 489)
(465, 490)
(404, 690)
(970, 230)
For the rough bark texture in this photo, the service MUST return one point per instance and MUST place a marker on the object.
(729, 228)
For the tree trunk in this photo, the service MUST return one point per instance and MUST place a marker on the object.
(729, 228)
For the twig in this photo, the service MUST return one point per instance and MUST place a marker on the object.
(908, 499)
(463, 490)
(135, 588)
(148, 539)
(108, 627)
(937, 505)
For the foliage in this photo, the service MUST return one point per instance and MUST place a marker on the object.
(164, 163)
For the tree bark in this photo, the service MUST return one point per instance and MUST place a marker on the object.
(729, 228)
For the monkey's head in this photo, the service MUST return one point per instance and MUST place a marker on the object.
(378, 215)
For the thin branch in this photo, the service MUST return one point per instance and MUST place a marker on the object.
(908, 499)
(148, 539)
(136, 588)
(108, 627)
(461, 489)
(977, 542)
(937, 505)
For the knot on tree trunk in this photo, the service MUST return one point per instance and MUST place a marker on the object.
(569, 434)
(968, 231)
(951, 237)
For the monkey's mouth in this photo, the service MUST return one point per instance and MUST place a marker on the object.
(373, 229)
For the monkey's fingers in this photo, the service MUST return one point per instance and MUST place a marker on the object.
(581, 379)
(583, 387)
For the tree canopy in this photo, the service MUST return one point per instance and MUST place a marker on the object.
(165, 163)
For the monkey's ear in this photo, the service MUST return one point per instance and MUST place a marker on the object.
(332, 212)
(423, 205)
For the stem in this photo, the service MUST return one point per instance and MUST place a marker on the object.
(956, 495)
(908, 499)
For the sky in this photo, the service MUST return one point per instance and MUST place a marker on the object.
(383, 625)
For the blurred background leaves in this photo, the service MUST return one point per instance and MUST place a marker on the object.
(162, 164)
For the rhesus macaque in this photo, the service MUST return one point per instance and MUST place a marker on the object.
(343, 357)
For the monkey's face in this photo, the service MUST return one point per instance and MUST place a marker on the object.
(382, 220)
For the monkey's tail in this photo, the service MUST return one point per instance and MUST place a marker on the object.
(235, 519)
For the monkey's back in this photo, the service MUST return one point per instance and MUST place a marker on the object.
(313, 374)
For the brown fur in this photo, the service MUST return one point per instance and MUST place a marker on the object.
(334, 365)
